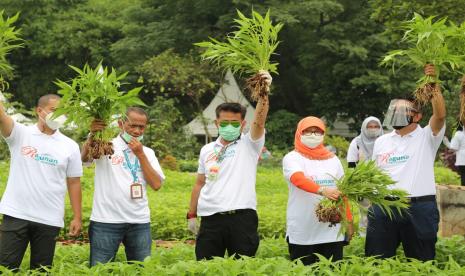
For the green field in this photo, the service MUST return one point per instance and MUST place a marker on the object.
(169, 206)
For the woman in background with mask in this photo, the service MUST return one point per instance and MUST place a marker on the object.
(361, 147)
(310, 170)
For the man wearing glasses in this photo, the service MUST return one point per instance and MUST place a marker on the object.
(224, 193)
(120, 210)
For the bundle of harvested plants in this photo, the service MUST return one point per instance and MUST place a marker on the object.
(9, 40)
(247, 50)
(428, 41)
(95, 94)
(365, 181)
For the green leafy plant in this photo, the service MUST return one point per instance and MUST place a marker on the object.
(9, 40)
(248, 49)
(95, 94)
(428, 41)
(338, 142)
(365, 181)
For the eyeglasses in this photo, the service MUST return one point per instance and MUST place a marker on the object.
(235, 124)
(316, 133)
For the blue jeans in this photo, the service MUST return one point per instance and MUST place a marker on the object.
(105, 239)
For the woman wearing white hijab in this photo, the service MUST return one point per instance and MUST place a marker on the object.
(361, 147)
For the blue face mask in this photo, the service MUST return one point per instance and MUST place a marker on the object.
(127, 138)
(229, 133)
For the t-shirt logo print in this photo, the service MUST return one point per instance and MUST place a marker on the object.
(390, 158)
(31, 152)
(117, 160)
(323, 181)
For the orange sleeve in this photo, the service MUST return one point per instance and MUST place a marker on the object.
(300, 181)
(347, 207)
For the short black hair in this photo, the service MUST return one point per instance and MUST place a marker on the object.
(231, 107)
(137, 110)
(45, 99)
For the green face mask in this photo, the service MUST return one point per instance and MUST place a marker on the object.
(229, 132)
(126, 137)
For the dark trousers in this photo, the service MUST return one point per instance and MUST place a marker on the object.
(306, 253)
(105, 239)
(416, 229)
(235, 233)
(462, 174)
(16, 234)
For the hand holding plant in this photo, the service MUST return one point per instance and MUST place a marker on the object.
(428, 42)
(248, 50)
(93, 100)
(365, 181)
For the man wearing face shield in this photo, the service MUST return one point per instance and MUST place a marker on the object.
(120, 209)
(224, 193)
(44, 164)
(407, 154)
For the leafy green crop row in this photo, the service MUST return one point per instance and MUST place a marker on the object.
(169, 205)
(272, 259)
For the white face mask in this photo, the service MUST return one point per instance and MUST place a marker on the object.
(312, 140)
(56, 123)
(373, 132)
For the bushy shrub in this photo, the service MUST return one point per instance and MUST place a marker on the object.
(188, 165)
(169, 162)
(338, 142)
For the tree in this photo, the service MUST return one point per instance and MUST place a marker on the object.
(182, 77)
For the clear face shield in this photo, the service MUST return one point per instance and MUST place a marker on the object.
(399, 114)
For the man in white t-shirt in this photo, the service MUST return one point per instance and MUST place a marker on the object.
(120, 211)
(224, 193)
(407, 154)
(44, 164)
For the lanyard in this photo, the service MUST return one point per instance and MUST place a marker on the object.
(132, 168)
(220, 154)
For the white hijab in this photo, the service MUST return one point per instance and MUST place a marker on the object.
(364, 142)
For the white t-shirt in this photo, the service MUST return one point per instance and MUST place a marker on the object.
(458, 144)
(409, 160)
(112, 193)
(39, 166)
(230, 184)
(303, 226)
(354, 154)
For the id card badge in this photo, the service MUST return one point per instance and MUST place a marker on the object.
(213, 173)
(136, 191)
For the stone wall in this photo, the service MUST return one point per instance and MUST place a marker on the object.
(451, 204)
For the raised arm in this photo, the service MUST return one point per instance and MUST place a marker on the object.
(438, 118)
(261, 110)
(6, 123)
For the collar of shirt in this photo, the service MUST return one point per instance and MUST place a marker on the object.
(37, 131)
(411, 134)
(120, 143)
(218, 141)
